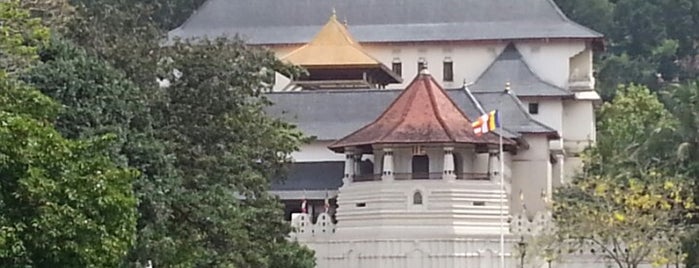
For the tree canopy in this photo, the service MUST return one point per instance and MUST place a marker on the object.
(197, 155)
(63, 203)
(648, 42)
(630, 201)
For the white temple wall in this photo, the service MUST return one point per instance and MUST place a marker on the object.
(316, 151)
(412, 250)
(469, 59)
(578, 125)
(532, 177)
(549, 59)
(550, 112)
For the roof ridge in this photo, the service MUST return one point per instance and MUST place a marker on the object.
(403, 115)
(520, 57)
(376, 119)
(438, 115)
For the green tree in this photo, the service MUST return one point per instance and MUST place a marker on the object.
(630, 201)
(633, 220)
(97, 99)
(210, 120)
(226, 149)
(63, 203)
(21, 36)
(648, 42)
(681, 100)
(633, 132)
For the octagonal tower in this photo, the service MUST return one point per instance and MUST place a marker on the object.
(432, 176)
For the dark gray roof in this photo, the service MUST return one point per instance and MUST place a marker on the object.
(310, 176)
(513, 115)
(333, 114)
(287, 22)
(509, 66)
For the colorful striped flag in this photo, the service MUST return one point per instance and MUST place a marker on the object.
(486, 123)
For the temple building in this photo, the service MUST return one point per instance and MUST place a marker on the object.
(395, 176)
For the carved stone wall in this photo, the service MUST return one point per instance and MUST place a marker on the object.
(333, 250)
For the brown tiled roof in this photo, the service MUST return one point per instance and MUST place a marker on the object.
(423, 113)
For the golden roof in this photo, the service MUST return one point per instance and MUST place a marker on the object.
(333, 45)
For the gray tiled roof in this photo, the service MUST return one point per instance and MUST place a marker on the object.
(514, 117)
(509, 66)
(331, 115)
(311, 176)
(279, 21)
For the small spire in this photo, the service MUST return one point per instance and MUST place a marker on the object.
(424, 71)
(345, 22)
(334, 15)
(507, 87)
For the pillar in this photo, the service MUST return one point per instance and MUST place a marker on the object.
(448, 171)
(494, 166)
(561, 161)
(387, 174)
(349, 167)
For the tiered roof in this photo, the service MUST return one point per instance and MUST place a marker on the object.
(423, 113)
(334, 55)
(333, 45)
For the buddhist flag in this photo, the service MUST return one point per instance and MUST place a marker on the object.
(327, 203)
(486, 123)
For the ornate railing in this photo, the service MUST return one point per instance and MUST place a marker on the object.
(473, 176)
(367, 177)
(418, 176)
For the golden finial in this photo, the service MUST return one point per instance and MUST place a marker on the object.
(334, 16)
(345, 21)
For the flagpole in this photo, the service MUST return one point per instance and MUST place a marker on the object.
(502, 204)
(502, 187)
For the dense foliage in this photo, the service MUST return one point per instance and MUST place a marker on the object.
(203, 146)
(647, 42)
(63, 203)
(631, 200)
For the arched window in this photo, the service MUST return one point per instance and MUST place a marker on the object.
(417, 198)
(421, 167)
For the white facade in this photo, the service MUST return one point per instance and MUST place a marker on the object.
(557, 62)
(457, 222)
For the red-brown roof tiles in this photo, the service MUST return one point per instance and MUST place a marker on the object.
(423, 113)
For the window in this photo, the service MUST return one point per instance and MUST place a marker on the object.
(448, 75)
(533, 108)
(397, 68)
(417, 198)
(421, 64)
(421, 167)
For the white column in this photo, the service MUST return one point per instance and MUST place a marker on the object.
(387, 174)
(349, 167)
(493, 166)
(448, 172)
(561, 161)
